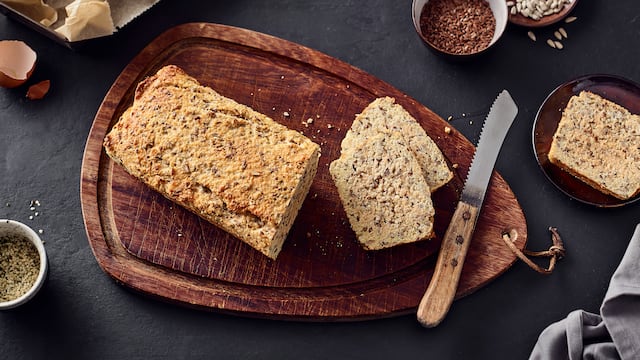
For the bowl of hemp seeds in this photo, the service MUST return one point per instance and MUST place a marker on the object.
(23, 264)
(460, 29)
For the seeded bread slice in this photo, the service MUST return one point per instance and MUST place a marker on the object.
(598, 141)
(229, 164)
(384, 194)
(384, 115)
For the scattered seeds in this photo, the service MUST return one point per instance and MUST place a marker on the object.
(551, 43)
(563, 32)
(570, 19)
(557, 35)
(558, 45)
(531, 35)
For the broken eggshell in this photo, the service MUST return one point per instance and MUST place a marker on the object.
(39, 90)
(17, 61)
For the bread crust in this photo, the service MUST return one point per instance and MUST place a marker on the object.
(598, 142)
(227, 163)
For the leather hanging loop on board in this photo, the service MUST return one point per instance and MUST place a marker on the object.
(555, 252)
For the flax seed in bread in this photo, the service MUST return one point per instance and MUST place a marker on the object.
(229, 164)
(598, 141)
(384, 115)
(385, 196)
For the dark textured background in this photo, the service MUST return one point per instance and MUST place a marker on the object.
(83, 313)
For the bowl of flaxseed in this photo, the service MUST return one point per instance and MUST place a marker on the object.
(460, 29)
(23, 264)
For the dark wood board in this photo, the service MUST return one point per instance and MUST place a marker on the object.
(155, 247)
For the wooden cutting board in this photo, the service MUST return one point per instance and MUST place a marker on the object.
(149, 244)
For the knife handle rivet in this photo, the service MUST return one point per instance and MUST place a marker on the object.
(459, 239)
(466, 215)
(454, 262)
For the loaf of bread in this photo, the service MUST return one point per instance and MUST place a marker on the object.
(384, 115)
(598, 141)
(229, 164)
(385, 196)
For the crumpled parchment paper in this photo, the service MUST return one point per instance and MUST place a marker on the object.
(78, 20)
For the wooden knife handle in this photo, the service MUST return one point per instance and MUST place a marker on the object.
(439, 295)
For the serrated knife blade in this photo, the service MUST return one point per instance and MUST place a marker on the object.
(441, 290)
(494, 130)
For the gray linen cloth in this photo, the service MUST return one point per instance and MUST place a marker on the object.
(612, 334)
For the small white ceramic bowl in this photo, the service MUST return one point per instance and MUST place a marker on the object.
(500, 13)
(15, 228)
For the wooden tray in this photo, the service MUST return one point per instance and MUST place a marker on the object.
(150, 245)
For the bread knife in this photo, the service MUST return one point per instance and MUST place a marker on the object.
(441, 290)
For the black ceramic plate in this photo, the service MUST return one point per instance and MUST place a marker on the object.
(619, 90)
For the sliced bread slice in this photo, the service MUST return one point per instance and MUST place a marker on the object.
(385, 196)
(384, 115)
(598, 141)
